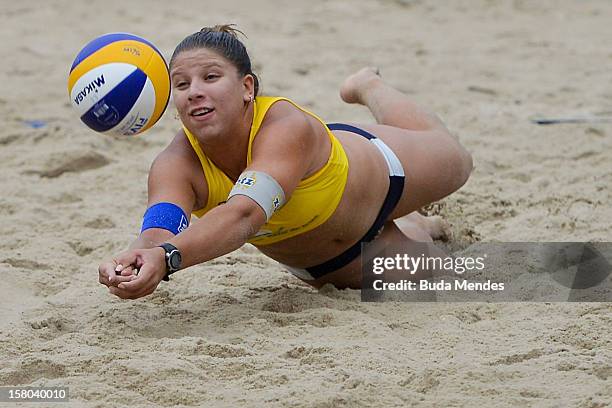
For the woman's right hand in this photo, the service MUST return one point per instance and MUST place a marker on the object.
(110, 273)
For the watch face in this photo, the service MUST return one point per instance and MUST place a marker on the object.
(174, 260)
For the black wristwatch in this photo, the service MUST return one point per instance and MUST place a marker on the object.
(173, 260)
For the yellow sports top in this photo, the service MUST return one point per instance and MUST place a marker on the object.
(313, 201)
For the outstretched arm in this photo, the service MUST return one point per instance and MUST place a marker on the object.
(222, 230)
(228, 226)
(168, 182)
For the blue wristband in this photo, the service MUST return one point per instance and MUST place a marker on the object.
(167, 216)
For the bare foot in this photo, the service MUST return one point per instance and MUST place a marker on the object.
(434, 226)
(438, 228)
(352, 88)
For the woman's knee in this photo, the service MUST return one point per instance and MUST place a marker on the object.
(457, 161)
(464, 165)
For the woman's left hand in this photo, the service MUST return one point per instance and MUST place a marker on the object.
(151, 265)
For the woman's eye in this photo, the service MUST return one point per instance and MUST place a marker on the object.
(211, 76)
(181, 84)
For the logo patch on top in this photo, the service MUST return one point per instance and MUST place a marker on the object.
(276, 202)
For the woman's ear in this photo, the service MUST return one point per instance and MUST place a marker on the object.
(249, 88)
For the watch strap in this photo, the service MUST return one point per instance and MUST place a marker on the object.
(168, 248)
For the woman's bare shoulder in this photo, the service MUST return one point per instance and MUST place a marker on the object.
(284, 111)
(297, 125)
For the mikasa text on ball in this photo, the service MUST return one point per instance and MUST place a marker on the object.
(119, 84)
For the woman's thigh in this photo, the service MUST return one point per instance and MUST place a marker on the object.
(432, 162)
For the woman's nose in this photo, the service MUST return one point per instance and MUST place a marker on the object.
(196, 90)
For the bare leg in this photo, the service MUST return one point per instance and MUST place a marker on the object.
(434, 163)
(388, 105)
(391, 107)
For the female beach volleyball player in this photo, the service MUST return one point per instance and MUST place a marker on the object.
(263, 170)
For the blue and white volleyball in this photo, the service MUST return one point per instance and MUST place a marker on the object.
(119, 84)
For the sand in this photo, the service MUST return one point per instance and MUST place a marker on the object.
(239, 331)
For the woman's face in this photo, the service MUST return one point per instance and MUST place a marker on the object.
(208, 92)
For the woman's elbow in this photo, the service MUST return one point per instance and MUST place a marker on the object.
(249, 217)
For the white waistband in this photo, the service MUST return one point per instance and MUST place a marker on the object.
(395, 166)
